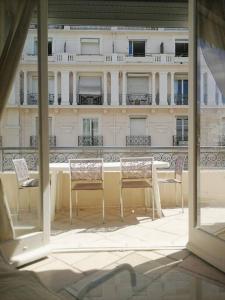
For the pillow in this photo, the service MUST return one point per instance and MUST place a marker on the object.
(32, 182)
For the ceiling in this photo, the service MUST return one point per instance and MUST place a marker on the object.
(119, 13)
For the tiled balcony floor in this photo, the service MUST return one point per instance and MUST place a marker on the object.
(138, 231)
(161, 275)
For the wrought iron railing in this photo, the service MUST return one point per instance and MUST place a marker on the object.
(86, 140)
(181, 99)
(88, 99)
(210, 157)
(32, 99)
(180, 141)
(139, 99)
(34, 141)
(138, 140)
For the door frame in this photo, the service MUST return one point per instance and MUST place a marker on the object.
(30, 247)
(201, 243)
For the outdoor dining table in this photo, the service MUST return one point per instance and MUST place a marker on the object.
(56, 168)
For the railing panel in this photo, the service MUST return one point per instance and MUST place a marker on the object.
(139, 99)
(88, 99)
(138, 140)
(85, 140)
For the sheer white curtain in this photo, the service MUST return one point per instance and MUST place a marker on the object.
(20, 12)
(212, 38)
(13, 45)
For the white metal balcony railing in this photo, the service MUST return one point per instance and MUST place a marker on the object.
(112, 58)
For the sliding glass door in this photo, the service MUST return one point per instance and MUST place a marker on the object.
(207, 154)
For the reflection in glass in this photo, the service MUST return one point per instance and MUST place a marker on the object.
(211, 116)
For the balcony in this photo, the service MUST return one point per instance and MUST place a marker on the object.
(86, 140)
(181, 99)
(32, 99)
(88, 99)
(111, 58)
(138, 140)
(34, 141)
(139, 99)
(180, 141)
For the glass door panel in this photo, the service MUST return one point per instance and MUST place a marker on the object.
(22, 169)
(207, 213)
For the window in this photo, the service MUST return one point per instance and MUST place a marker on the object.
(90, 127)
(90, 46)
(90, 133)
(181, 48)
(137, 85)
(181, 130)
(181, 91)
(50, 47)
(137, 126)
(136, 48)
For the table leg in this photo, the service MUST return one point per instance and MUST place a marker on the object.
(156, 192)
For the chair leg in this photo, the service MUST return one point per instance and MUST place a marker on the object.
(71, 206)
(103, 207)
(182, 198)
(153, 205)
(121, 204)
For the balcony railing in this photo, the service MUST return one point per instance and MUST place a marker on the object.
(32, 99)
(34, 141)
(181, 99)
(180, 141)
(111, 58)
(138, 140)
(88, 99)
(139, 99)
(86, 140)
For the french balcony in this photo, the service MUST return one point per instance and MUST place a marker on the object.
(180, 141)
(181, 99)
(138, 140)
(86, 140)
(34, 141)
(89, 99)
(32, 99)
(139, 99)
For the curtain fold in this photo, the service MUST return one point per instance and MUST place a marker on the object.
(212, 38)
(13, 48)
(7, 231)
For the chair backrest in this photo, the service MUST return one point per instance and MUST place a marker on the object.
(86, 169)
(179, 165)
(21, 169)
(136, 167)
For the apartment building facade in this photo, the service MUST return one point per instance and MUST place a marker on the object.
(109, 86)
